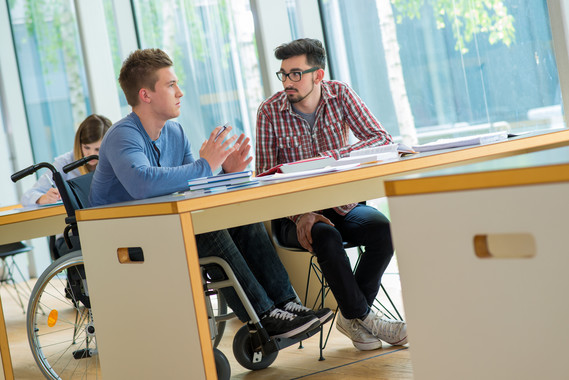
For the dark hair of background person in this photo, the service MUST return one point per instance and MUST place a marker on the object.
(314, 50)
(91, 130)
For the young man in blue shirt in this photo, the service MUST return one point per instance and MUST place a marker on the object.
(146, 154)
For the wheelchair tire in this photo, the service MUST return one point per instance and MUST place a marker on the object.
(243, 352)
(222, 365)
(61, 332)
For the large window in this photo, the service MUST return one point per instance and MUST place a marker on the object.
(434, 68)
(213, 47)
(52, 73)
(117, 51)
(6, 169)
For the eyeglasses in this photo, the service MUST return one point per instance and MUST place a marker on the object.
(294, 76)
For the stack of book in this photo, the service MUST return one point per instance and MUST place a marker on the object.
(227, 179)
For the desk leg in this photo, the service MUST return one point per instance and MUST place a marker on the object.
(197, 289)
(7, 371)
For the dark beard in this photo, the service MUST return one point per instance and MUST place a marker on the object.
(296, 100)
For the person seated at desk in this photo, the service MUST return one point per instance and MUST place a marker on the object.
(312, 117)
(87, 142)
(146, 155)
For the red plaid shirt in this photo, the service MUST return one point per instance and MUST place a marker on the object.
(284, 136)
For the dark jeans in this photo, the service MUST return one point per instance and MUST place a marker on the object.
(364, 226)
(249, 252)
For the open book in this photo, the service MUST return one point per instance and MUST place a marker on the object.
(384, 152)
(361, 156)
(300, 166)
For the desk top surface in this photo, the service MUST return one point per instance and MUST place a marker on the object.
(24, 214)
(546, 166)
(191, 202)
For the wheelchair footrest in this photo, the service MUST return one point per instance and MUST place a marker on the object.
(285, 342)
(261, 340)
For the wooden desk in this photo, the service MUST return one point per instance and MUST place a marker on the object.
(24, 224)
(165, 227)
(17, 225)
(482, 255)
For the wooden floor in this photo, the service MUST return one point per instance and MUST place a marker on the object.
(342, 360)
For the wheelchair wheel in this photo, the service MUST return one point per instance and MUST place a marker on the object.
(61, 332)
(243, 352)
(222, 365)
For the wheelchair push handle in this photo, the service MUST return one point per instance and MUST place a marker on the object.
(80, 162)
(31, 170)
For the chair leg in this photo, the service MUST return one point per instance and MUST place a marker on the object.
(323, 295)
(8, 278)
(385, 309)
(306, 292)
(324, 289)
(392, 304)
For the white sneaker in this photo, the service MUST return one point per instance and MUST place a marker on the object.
(389, 330)
(361, 338)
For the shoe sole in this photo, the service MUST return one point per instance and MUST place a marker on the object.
(326, 317)
(362, 346)
(299, 330)
(402, 342)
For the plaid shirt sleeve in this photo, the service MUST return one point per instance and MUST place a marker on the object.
(265, 147)
(357, 117)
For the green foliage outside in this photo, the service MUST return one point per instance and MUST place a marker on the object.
(467, 18)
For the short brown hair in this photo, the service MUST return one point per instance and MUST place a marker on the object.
(315, 52)
(91, 130)
(139, 71)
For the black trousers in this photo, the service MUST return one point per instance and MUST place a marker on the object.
(364, 226)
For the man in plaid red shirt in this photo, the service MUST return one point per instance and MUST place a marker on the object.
(312, 117)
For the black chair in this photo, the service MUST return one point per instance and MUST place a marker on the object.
(10, 268)
(314, 269)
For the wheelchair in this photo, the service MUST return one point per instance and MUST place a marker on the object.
(60, 324)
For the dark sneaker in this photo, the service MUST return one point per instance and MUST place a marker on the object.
(282, 324)
(324, 314)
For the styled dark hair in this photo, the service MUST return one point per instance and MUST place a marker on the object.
(91, 130)
(314, 50)
(139, 71)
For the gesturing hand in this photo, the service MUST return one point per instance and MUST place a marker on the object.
(238, 160)
(216, 150)
(304, 228)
